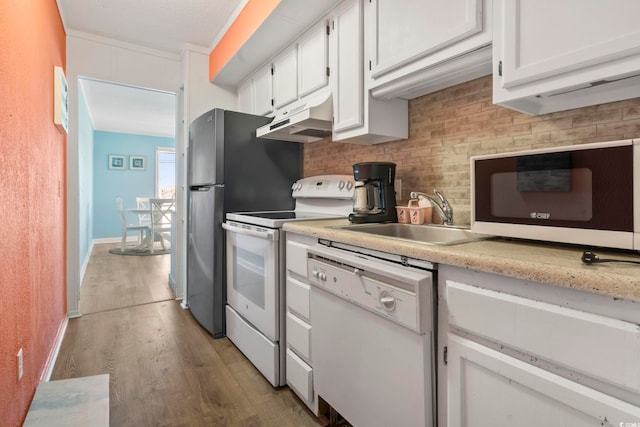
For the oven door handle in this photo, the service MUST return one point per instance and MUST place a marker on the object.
(260, 234)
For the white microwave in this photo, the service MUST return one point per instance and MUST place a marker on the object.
(580, 194)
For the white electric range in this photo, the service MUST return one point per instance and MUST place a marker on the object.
(255, 311)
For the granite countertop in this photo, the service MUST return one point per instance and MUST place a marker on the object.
(549, 263)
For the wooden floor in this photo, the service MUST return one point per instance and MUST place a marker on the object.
(165, 370)
(116, 281)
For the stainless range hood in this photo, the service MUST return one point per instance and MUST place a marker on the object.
(306, 121)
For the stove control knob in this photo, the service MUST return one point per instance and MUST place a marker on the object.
(315, 273)
(323, 277)
(349, 185)
(387, 300)
(341, 185)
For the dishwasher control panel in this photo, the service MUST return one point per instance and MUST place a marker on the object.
(398, 302)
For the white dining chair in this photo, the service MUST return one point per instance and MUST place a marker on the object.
(143, 203)
(160, 220)
(144, 231)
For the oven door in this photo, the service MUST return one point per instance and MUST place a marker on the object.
(252, 275)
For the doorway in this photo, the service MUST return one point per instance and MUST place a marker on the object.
(109, 111)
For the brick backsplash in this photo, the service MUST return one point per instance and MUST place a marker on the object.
(447, 127)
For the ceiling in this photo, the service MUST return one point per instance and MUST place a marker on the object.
(159, 24)
(126, 109)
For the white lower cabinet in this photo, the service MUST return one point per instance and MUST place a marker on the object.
(527, 354)
(298, 324)
(490, 388)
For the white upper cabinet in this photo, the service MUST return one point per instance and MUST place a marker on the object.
(285, 77)
(313, 57)
(347, 66)
(255, 94)
(552, 56)
(419, 46)
(263, 91)
(358, 118)
(297, 71)
(246, 98)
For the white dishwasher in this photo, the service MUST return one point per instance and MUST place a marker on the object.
(373, 335)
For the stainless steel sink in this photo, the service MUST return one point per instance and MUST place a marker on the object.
(428, 234)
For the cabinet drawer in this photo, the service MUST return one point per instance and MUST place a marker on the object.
(297, 254)
(299, 336)
(298, 297)
(600, 347)
(299, 376)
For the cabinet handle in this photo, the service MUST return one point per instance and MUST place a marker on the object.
(500, 68)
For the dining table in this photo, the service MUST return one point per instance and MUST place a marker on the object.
(158, 212)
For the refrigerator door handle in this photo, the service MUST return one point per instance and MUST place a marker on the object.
(261, 234)
(204, 187)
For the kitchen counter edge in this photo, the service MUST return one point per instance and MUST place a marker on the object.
(544, 262)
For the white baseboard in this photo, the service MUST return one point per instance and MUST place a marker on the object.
(53, 354)
(85, 263)
(108, 240)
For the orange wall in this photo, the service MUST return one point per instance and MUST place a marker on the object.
(252, 15)
(32, 191)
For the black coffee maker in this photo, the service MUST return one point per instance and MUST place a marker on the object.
(375, 194)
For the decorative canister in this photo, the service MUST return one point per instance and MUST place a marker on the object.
(403, 214)
(419, 214)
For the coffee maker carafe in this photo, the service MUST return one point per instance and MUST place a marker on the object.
(375, 194)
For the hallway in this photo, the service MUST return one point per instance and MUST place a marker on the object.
(165, 370)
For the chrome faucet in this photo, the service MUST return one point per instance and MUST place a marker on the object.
(443, 208)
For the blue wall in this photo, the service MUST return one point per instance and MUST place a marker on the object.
(85, 179)
(109, 184)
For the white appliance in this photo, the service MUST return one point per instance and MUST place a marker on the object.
(373, 335)
(582, 194)
(307, 120)
(255, 311)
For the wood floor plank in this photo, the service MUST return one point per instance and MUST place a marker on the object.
(165, 369)
(115, 281)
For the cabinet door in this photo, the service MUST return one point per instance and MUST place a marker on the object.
(489, 388)
(285, 77)
(412, 29)
(347, 65)
(313, 59)
(263, 91)
(246, 98)
(543, 38)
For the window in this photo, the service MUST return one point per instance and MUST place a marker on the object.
(165, 173)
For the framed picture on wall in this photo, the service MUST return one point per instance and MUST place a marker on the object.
(137, 163)
(117, 162)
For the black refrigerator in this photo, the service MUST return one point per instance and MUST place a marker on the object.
(229, 170)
